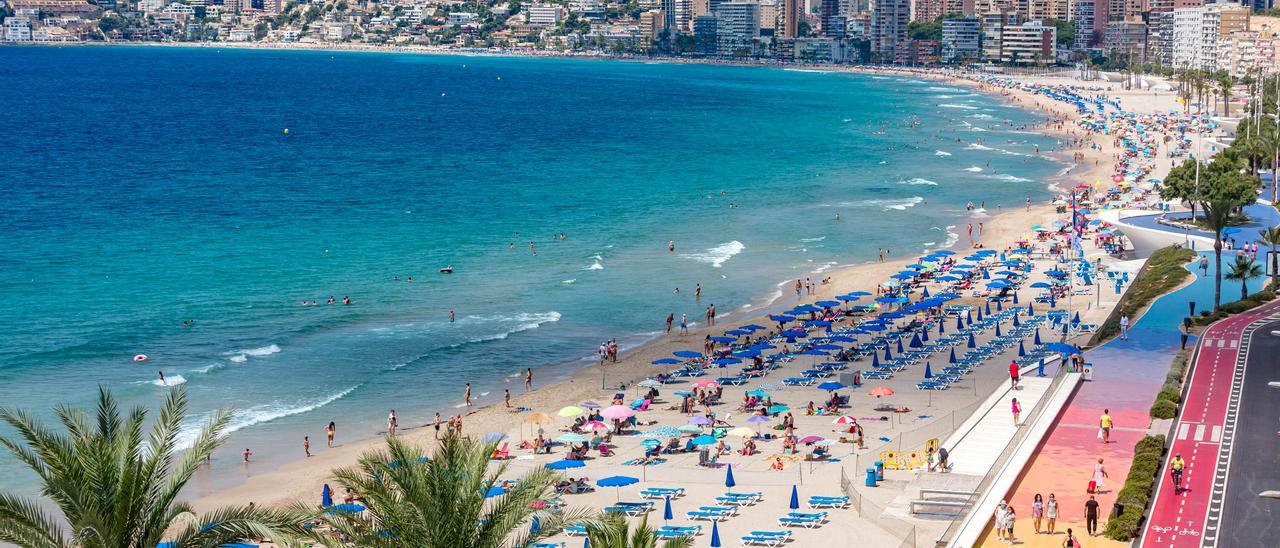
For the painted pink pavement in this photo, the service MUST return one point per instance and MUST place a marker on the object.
(1181, 519)
(1127, 374)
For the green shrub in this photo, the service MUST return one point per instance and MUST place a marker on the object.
(1164, 409)
(1136, 492)
(1252, 301)
(1125, 526)
(1171, 395)
(1150, 444)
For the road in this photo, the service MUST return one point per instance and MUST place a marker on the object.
(1247, 520)
(1204, 437)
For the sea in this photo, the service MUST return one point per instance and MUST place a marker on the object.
(148, 187)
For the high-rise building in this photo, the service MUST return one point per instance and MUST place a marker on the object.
(1197, 31)
(652, 23)
(704, 34)
(1085, 24)
(993, 25)
(926, 10)
(1126, 38)
(1030, 42)
(768, 14)
(737, 26)
(963, 7)
(889, 19)
(960, 40)
(832, 19)
(789, 17)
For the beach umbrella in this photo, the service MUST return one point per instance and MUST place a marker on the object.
(667, 515)
(972, 342)
(942, 327)
(777, 409)
(715, 534)
(617, 482)
(663, 432)
(570, 411)
(326, 496)
(915, 341)
(494, 437)
(593, 425)
(979, 314)
(924, 292)
(900, 349)
(700, 420)
(665, 361)
(1022, 351)
(1075, 319)
(1031, 311)
(347, 508)
(690, 428)
(1015, 320)
(924, 335)
(988, 308)
(686, 354)
(572, 437)
(704, 440)
(494, 492)
(753, 327)
(1037, 340)
(827, 304)
(782, 318)
(875, 359)
(705, 383)
(844, 419)
(727, 361)
(881, 391)
(795, 498)
(543, 418)
(755, 419)
(590, 405)
(565, 464)
(759, 393)
(830, 386)
(649, 383)
(959, 323)
(928, 370)
(722, 339)
(952, 359)
(741, 432)
(728, 477)
(1015, 298)
(617, 412)
(887, 355)
(999, 306)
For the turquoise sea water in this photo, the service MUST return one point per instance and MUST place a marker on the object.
(145, 187)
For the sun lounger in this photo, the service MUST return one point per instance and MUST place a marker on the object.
(798, 381)
(821, 516)
(549, 545)
(754, 496)
(767, 541)
(576, 530)
(799, 522)
(731, 510)
(661, 492)
(828, 502)
(664, 534)
(686, 530)
(699, 515)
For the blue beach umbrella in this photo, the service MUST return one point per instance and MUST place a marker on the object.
(942, 327)
(759, 393)
(988, 308)
(829, 386)
(1015, 320)
(665, 361)
(998, 329)
(617, 482)
(1015, 298)
(953, 356)
(900, 349)
(972, 343)
(1031, 310)
(928, 370)
(979, 314)
(925, 292)
(326, 496)
(924, 335)
(795, 498)
(959, 323)
(776, 409)
(1075, 319)
(753, 327)
(827, 304)
(1022, 351)
(686, 354)
(1037, 340)
(887, 355)
(999, 306)
(857, 293)
(567, 464)
(915, 341)
(875, 359)
(782, 318)
(723, 339)
(347, 508)
(715, 534)
(494, 492)
(728, 477)
(667, 514)
(704, 440)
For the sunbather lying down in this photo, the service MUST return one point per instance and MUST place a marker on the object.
(884, 407)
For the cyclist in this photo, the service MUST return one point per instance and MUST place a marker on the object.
(1176, 466)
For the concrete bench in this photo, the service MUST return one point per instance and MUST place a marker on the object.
(924, 493)
(939, 504)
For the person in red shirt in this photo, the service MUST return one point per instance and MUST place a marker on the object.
(1013, 374)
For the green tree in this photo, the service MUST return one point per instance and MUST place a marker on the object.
(440, 502)
(1224, 89)
(1217, 213)
(117, 485)
(1243, 270)
(1066, 32)
(613, 532)
(1271, 237)
(925, 30)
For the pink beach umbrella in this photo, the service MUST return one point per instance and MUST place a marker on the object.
(810, 439)
(594, 425)
(617, 412)
(705, 383)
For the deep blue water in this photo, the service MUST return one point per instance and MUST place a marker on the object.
(144, 187)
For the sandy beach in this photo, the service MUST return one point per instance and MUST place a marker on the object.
(932, 414)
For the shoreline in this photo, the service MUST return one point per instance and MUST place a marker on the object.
(283, 482)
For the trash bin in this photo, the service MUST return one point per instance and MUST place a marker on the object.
(871, 477)
(879, 471)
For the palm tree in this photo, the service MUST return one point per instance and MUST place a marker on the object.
(613, 532)
(1224, 89)
(1217, 213)
(1243, 270)
(440, 502)
(1271, 237)
(117, 484)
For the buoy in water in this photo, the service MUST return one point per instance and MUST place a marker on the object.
(286, 131)
(140, 358)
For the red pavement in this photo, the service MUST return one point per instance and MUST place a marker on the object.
(1178, 520)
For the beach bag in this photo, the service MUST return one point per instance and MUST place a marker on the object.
(1099, 434)
(1093, 486)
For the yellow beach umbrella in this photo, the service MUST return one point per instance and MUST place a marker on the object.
(540, 418)
(742, 432)
(570, 411)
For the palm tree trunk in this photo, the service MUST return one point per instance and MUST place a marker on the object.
(1244, 290)
(1217, 270)
(1275, 167)
(1275, 268)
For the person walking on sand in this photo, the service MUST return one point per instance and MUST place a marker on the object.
(329, 432)
(467, 396)
(1037, 512)
(528, 378)
(1051, 513)
(306, 446)
(1017, 410)
(670, 318)
(506, 397)
(1091, 515)
(392, 423)
(437, 425)
(684, 324)
(1099, 474)
(1104, 426)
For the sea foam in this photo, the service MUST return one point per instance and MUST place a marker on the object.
(718, 255)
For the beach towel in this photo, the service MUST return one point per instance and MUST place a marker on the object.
(636, 462)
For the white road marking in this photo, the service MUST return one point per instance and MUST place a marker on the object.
(1199, 432)
(1216, 436)
(1183, 429)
